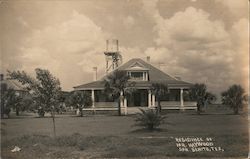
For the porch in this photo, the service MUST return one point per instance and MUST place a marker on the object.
(142, 98)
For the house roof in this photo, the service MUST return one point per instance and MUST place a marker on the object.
(155, 76)
(13, 84)
(100, 85)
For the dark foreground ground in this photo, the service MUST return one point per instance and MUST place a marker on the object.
(106, 136)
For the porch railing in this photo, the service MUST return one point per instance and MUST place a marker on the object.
(164, 104)
(105, 104)
(177, 105)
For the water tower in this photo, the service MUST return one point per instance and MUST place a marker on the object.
(112, 55)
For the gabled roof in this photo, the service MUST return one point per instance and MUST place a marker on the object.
(155, 76)
(154, 73)
(137, 66)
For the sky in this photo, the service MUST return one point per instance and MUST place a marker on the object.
(201, 41)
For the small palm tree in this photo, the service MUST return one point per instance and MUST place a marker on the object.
(149, 119)
(234, 97)
(117, 85)
(159, 90)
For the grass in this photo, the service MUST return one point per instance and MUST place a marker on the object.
(115, 137)
(114, 147)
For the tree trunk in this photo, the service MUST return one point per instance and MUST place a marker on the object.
(81, 112)
(119, 106)
(17, 111)
(7, 112)
(151, 127)
(198, 108)
(43, 114)
(158, 105)
(54, 124)
(2, 110)
(236, 110)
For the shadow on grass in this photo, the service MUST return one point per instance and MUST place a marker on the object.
(144, 130)
(202, 114)
(58, 116)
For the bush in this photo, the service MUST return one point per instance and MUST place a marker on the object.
(41, 112)
(149, 119)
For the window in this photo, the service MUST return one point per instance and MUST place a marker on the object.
(136, 75)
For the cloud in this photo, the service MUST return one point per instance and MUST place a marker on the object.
(237, 8)
(200, 49)
(239, 33)
(130, 52)
(150, 9)
(192, 25)
(193, 43)
(69, 49)
(21, 21)
(129, 21)
(156, 54)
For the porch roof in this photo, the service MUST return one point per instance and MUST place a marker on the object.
(140, 85)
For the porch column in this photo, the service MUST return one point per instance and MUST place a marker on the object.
(181, 99)
(149, 99)
(125, 105)
(93, 98)
(153, 100)
(121, 101)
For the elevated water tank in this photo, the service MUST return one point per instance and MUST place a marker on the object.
(112, 45)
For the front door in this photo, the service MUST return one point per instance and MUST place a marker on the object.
(137, 99)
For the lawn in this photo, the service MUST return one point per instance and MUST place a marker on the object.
(107, 136)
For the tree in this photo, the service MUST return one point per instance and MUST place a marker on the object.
(27, 103)
(234, 97)
(9, 99)
(79, 100)
(3, 89)
(199, 94)
(45, 89)
(149, 119)
(159, 90)
(117, 85)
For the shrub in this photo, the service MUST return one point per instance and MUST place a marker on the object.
(149, 119)
(41, 112)
(79, 100)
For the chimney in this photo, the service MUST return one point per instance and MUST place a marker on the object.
(148, 59)
(94, 73)
(1, 77)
